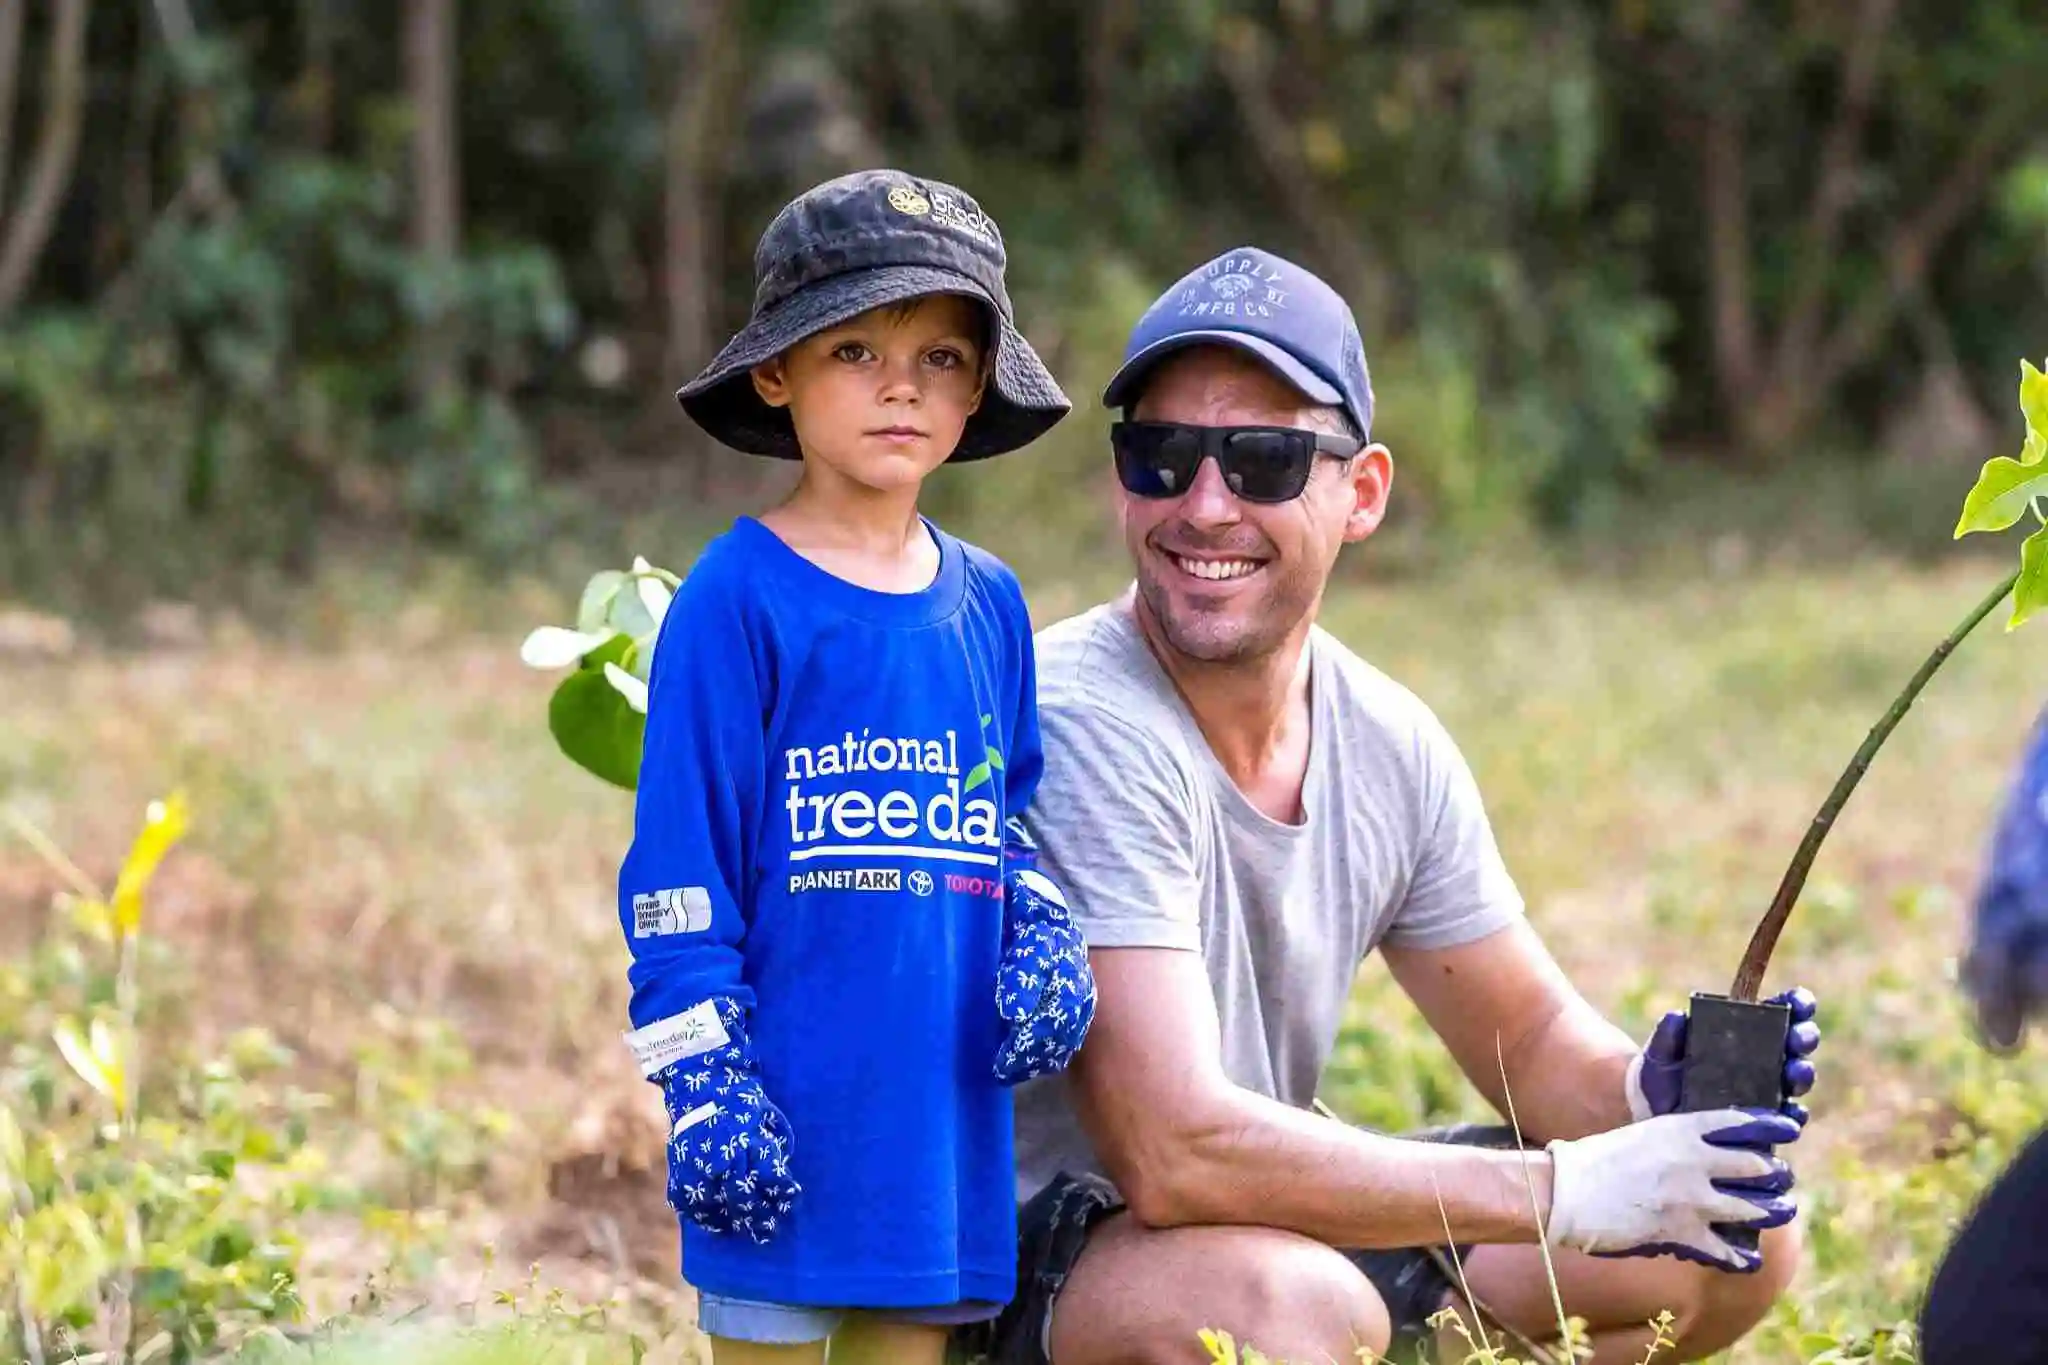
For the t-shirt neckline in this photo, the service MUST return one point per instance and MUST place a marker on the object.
(1236, 803)
(937, 600)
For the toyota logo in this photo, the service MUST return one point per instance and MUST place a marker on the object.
(921, 882)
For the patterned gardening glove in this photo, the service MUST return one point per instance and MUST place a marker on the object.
(2005, 969)
(729, 1147)
(1654, 1075)
(1045, 991)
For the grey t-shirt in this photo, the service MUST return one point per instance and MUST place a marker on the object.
(1155, 847)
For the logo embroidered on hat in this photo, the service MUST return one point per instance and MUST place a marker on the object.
(904, 199)
(1235, 286)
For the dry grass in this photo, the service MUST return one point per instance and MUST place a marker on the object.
(380, 817)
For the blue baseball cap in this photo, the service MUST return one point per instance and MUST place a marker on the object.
(1266, 305)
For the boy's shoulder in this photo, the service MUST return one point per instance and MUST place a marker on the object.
(986, 569)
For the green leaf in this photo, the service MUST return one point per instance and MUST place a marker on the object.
(2030, 594)
(2005, 489)
(977, 775)
(554, 647)
(595, 609)
(654, 594)
(995, 759)
(594, 724)
(2034, 400)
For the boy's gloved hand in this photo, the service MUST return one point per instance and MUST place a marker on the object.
(729, 1147)
(1654, 1076)
(1662, 1187)
(1044, 988)
(2005, 970)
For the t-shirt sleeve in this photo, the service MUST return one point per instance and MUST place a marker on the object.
(1114, 819)
(1024, 767)
(1461, 889)
(684, 884)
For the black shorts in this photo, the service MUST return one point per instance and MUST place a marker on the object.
(1054, 1225)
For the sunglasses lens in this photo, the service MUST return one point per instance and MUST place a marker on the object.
(1156, 462)
(1267, 466)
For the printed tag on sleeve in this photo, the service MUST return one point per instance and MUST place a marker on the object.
(667, 1041)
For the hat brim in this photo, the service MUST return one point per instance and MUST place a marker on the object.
(1021, 402)
(1123, 385)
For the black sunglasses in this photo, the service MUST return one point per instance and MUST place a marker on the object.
(1260, 464)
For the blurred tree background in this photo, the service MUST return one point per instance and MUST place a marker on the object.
(283, 276)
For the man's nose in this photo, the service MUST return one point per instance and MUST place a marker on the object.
(1209, 501)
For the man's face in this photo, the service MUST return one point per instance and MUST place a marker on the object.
(1224, 580)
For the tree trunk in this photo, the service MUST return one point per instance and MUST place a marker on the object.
(10, 69)
(1841, 151)
(1245, 62)
(1104, 73)
(707, 88)
(436, 179)
(28, 228)
(1724, 193)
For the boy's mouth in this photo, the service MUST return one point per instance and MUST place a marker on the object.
(899, 433)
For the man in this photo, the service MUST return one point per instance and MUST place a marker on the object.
(1240, 809)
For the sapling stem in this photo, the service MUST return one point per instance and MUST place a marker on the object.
(1749, 976)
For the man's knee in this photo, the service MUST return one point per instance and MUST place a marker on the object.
(1143, 1296)
(1729, 1307)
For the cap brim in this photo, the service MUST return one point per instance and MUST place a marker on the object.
(1021, 403)
(1124, 383)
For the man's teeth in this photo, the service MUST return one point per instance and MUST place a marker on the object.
(1217, 568)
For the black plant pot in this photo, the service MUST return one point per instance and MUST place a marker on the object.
(1734, 1057)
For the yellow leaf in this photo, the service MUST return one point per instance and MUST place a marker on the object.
(2030, 594)
(93, 916)
(13, 1147)
(79, 1054)
(108, 1052)
(2034, 403)
(164, 825)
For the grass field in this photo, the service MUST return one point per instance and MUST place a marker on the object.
(392, 872)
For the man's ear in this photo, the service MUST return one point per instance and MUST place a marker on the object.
(771, 381)
(1372, 479)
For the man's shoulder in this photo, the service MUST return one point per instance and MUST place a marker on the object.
(1365, 698)
(1094, 670)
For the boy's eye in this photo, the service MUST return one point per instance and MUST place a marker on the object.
(944, 358)
(852, 352)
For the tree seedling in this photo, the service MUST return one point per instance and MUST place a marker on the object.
(1735, 1046)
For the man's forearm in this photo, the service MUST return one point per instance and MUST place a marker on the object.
(1249, 1159)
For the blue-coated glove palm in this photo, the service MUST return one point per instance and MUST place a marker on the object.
(729, 1147)
(2005, 970)
(1656, 1083)
(1045, 990)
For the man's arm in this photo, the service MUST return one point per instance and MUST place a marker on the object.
(1185, 1145)
(1502, 1003)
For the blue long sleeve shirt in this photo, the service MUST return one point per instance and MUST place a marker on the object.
(818, 834)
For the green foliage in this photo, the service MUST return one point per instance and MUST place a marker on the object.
(598, 714)
(158, 1206)
(2007, 490)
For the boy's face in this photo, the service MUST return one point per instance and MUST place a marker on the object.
(882, 398)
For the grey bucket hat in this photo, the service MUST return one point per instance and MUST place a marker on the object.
(859, 242)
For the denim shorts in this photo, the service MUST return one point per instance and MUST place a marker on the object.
(798, 1324)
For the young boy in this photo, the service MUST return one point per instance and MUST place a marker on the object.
(842, 952)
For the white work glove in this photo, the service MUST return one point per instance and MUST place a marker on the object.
(1660, 1187)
